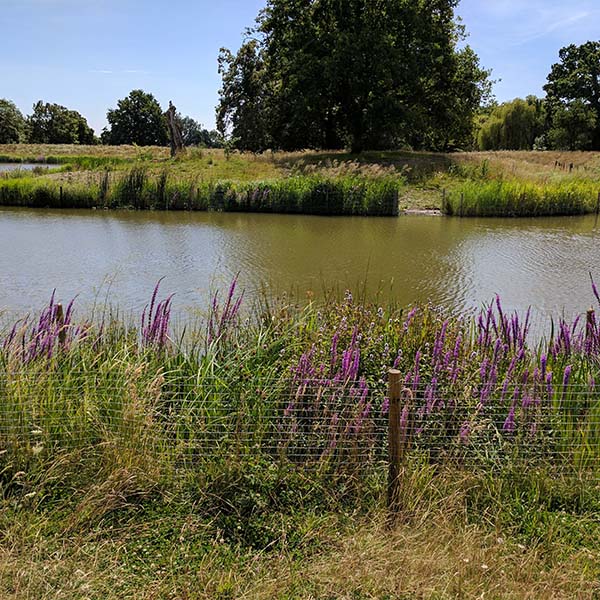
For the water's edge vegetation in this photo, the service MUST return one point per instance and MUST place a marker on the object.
(379, 184)
(257, 437)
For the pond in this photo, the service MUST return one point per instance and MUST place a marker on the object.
(458, 263)
(5, 167)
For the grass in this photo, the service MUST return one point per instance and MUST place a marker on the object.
(493, 183)
(138, 188)
(247, 458)
(519, 199)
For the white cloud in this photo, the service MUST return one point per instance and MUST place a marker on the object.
(524, 21)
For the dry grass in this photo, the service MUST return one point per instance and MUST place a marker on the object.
(539, 167)
(43, 150)
(435, 559)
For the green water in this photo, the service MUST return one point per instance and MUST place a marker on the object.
(454, 262)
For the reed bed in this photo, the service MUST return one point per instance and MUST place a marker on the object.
(520, 199)
(140, 189)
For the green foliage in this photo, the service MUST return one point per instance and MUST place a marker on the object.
(56, 124)
(195, 135)
(513, 125)
(344, 195)
(357, 74)
(573, 94)
(243, 110)
(573, 126)
(521, 199)
(12, 123)
(138, 119)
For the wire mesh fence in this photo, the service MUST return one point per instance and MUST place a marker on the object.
(334, 424)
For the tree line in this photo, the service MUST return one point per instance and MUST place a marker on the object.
(568, 118)
(137, 119)
(356, 74)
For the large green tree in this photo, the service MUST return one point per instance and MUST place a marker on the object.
(138, 119)
(357, 73)
(573, 95)
(56, 124)
(514, 125)
(12, 123)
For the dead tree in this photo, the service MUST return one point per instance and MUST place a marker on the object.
(177, 144)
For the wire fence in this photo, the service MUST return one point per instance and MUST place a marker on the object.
(333, 424)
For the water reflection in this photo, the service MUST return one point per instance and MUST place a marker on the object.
(458, 263)
(4, 167)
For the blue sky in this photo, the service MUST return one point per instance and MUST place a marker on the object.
(86, 54)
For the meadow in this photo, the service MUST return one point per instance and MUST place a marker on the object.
(246, 457)
(374, 183)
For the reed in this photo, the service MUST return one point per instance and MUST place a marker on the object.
(138, 188)
(521, 199)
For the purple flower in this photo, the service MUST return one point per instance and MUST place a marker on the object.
(510, 425)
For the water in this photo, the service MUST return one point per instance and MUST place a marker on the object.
(4, 167)
(459, 263)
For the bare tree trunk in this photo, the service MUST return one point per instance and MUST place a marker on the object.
(176, 138)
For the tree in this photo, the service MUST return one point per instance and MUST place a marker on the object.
(573, 92)
(195, 135)
(56, 124)
(573, 127)
(243, 108)
(513, 125)
(358, 73)
(12, 123)
(138, 119)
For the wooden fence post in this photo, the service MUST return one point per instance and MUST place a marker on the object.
(60, 321)
(61, 194)
(394, 440)
(590, 322)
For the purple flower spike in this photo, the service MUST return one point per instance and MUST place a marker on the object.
(509, 425)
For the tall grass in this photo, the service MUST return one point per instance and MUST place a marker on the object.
(262, 434)
(140, 189)
(521, 199)
(308, 385)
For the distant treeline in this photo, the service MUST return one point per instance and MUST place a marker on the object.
(568, 118)
(356, 74)
(385, 75)
(137, 119)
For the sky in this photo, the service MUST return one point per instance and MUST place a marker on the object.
(87, 54)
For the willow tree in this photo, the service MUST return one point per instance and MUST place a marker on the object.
(355, 73)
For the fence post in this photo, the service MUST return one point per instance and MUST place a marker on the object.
(61, 194)
(60, 321)
(394, 440)
(590, 322)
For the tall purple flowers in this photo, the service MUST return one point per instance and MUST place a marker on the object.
(222, 319)
(155, 320)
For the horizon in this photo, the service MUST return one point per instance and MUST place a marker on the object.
(87, 55)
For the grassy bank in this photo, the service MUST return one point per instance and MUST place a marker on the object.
(491, 183)
(522, 199)
(247, 458)
(139, 189)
